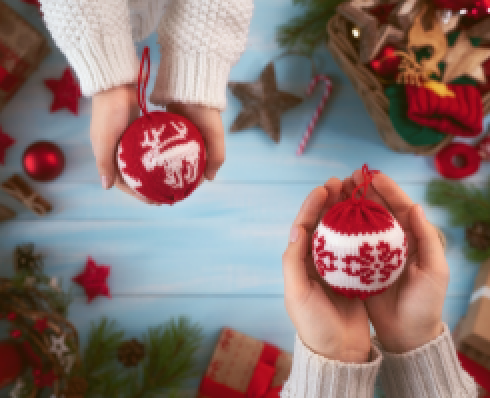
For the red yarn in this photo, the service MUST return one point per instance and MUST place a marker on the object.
(356, 216)
(161, 155)
(444, 161)
(356, 293)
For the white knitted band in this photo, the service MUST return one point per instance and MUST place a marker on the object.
(344, 245)
(484, 291)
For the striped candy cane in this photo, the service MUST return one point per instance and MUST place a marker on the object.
(319, 109)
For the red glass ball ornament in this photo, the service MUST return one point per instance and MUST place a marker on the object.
(43, 161)
(162, 156)
(386, 63)
(12, 364)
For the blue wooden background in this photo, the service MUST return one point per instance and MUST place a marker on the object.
(216, 257)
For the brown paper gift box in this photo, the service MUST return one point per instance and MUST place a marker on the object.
(22, 48)
(234, 360)
(472, 334)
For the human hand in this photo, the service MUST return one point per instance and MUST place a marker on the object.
(330, 324)
(409, 313)
(113, 111)
(208, 122)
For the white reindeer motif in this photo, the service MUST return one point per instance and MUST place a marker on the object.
(173, 159)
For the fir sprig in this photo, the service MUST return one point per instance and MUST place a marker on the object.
(466, 204)
(303, 32)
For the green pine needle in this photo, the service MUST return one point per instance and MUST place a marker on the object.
(466, 204)
(304, 32)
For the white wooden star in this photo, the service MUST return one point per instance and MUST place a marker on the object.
(67, 362)
(14, 393)
(58, 346)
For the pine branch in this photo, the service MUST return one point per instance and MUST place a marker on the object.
(305, 31)
(466, 204)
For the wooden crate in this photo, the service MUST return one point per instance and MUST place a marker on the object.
(371, 90)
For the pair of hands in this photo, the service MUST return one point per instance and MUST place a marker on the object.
(115, 109)
(405, 316)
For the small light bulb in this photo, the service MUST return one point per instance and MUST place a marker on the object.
(356, 33)
(463, 11)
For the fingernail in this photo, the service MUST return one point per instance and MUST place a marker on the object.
(105, 182)
(420, 210)
(294, 234)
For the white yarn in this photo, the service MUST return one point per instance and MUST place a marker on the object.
(200, 40)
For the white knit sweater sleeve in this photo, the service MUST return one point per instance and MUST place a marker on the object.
(95, 36)
(430, 371)
(314, 376)
(200, 40)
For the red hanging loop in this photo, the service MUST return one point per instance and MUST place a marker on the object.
(368, 176)
(145, 59)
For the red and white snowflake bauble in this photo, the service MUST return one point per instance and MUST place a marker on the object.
(162, 156)
(359, 248)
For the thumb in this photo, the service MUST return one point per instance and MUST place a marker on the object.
(429, 246)
(296, 281)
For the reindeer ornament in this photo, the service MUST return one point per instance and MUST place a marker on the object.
(161, 155)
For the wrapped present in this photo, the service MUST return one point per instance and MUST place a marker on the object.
(22, 48)
(242, 366)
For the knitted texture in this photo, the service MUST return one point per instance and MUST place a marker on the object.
(313, 376)
(95, 37)
(459, 115)
(430, 371)
(359, 248)
(162, 156)
(200, 40)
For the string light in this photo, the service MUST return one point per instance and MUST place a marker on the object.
(356, 33)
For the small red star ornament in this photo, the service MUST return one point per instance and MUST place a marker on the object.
(5, 142)
(41, 325)
(94, 279)
(66, 92)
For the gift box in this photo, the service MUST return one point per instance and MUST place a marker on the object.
(472, 333)
(242, 366)
(22, 48)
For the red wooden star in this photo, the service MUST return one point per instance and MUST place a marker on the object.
(41, 325)
(94, 279)
(5, 142)
(66, 92)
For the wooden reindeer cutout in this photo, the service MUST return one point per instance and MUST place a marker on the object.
(416, 73)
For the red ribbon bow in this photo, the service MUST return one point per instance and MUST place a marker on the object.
(260, 384)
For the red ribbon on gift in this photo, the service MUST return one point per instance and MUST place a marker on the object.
(480, 374)
(259, 386)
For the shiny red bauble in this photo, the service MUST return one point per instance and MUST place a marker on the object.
(43, 161)
(386, 63)
(12, 363)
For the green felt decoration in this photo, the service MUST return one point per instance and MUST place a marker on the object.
(410, 131)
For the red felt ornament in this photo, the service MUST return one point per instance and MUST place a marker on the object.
(43, 161)
(359, 248)
(66, 92)
(12, 364)
(161, 155)
(446, 161)
(5, 142)
(94, 279)
(386, 63)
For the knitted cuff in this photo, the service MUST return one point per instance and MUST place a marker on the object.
(314, 376)
(430, 371)
(195, 78)
(104, 64)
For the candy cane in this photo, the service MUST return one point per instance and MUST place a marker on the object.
(319, 109)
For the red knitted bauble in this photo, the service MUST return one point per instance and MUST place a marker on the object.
(161, 155)
(359, 248)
